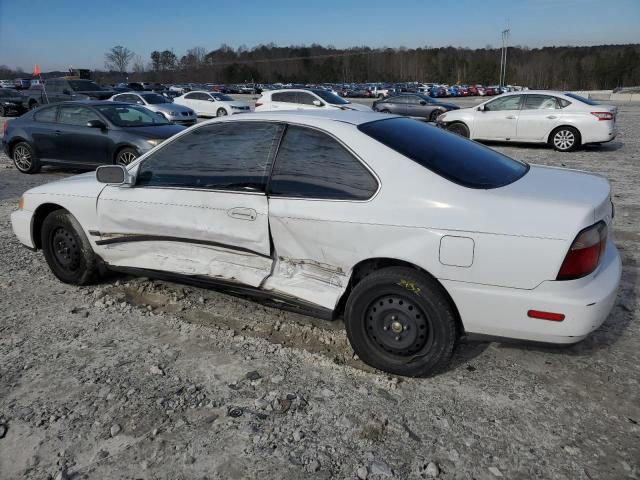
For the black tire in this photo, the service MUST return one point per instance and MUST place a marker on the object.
(221, 112)
(460, 129)
(24, 158)
(67, 250)
(33, 104)
(434, 115)
(565, 139)
(385, 111)
(125, 156)
(401, 321)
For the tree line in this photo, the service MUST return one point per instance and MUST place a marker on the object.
(576, 68)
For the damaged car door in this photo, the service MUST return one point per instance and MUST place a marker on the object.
(198, 205)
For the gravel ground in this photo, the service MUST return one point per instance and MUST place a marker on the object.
(134, 378)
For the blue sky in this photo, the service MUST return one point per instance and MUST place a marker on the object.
(59, 33)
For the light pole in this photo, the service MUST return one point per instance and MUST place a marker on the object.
(503, 56)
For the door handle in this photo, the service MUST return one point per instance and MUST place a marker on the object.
(552, 117)
(510, 117)
(243, 213)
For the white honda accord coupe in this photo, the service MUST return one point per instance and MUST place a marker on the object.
(563, 120)
(414, 235)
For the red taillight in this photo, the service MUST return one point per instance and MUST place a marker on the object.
(554, 317)
(603, 115)
(585, 252)
(5, 128)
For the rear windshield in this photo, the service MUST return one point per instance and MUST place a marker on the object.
(581, 99)
(453, 157)
(330, 97)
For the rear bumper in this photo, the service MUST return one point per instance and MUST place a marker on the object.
(502, 312)
(602, 132)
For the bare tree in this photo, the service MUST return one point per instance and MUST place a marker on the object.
(118, 59)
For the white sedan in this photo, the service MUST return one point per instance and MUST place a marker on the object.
(212, 104)
(414, 235)
(305, 99)
(563, 120)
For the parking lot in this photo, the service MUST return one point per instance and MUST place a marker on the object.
(135, 378)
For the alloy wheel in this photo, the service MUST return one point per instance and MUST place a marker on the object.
(126, 157)
(22, 157)
(564, 139)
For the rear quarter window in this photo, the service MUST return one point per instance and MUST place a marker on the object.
(455, 158)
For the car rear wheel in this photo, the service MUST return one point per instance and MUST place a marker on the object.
(33, 104)
(459, 128)
(565, 139)
(25, 158)
(401, 321)
(221, 112)
(126, 156)
(67, 250)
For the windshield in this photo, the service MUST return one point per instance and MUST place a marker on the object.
(154, 99)
(581, 99)
(330, 97)
(84, 86)
(131, 116)
(449, 155)
(222, 97)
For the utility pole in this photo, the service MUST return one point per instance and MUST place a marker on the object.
(503, 56)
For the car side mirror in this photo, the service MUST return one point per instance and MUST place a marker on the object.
(66, 91)
(211, 99)
(96, 124)
(114, 175)
(139, 102)
(481, 108)
(317, 103)
(422, 102)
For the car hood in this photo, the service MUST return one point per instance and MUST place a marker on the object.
(159, 131)
(83, 185)
(448, 106)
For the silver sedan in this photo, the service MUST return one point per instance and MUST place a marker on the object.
(157, 103)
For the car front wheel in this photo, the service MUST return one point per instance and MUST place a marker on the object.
(565, 139)
(401, 321)
(66, 249)
(221, 112)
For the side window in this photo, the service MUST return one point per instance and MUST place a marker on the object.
(226, 156)
(305, 98)
(287, 97)
(191, 96)
(562, 102)
(539, 102)
(512, 102)
(311, 164)
(46, 115)
(74, 115)
(402, 100)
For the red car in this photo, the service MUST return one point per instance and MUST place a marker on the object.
(472, 90)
